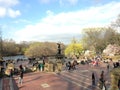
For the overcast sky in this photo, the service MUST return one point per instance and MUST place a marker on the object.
(54, 20)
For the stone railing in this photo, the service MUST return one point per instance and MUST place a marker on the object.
(53, 66)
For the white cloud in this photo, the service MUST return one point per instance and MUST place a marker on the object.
(49, 12)
(6, 8)
(70, 23)
(61, 2)
(22, 21)
(8, 3)
(67, 2)
(13, 13)
(72, 2)
(2, 12)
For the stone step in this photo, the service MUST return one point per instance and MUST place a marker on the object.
(80, 80)
(7, 83)
(84, 77)
(1, 84)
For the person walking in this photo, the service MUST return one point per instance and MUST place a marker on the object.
(69, 65)
(20, 78)
(102, 85)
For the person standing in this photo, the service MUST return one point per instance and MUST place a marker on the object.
(11, 72)
(93, 78)
(20, 78)
(66, 66)
(41, 67)
(108, 67)
(43, 64)
(69, 65)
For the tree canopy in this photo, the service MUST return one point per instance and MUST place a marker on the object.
(74, 49)
(98, 38)
(39, 49)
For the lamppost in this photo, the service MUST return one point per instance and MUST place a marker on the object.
(1, 48)
(1, 59)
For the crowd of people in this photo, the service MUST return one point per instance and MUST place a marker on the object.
(96, 62)
(72, 65)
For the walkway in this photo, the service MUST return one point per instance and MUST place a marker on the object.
(79, 79)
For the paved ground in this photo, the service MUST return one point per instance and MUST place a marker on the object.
(79, 79)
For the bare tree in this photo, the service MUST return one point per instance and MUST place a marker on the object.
(116, 24)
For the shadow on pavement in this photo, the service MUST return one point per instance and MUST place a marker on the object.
(15, 84)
